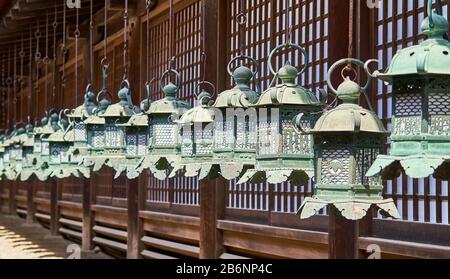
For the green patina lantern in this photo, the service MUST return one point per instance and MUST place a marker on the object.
(347, 141)
(6, 145)
(136, 139)
(283, 154)
(63, 163)
(14, 151)
(27, 145)
(163, 155)
(106, 138)
(420, 76)
(235, 122)
(78, 128)
(37, 160)
(196, 128)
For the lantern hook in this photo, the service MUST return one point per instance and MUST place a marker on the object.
(199, 94)
(288, 45)
(350, 61)
(177, 78)
(148, 93)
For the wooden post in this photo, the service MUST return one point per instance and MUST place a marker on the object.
(55, 196)
(31, 209)
(342, 237)
(134, 186)
(133, 216)
(88, 220)
(212, 193)
(12, 197)
(212, 208)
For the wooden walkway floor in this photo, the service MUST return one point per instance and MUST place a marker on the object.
(19, 240)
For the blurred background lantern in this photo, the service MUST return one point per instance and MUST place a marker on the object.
(196, 132)
(421, 105)
(347, 140)
(105, 137)
(163, 158)
(282, 153)
(234, 148)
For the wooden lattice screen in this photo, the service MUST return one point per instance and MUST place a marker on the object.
(398, 26)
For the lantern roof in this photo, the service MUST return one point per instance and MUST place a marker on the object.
(241, 96)
(431, 57)
(124, 108)
(49, 125)
(349, 118)
(201, 113)
(168, 105)
(288, 92)
(137, 120)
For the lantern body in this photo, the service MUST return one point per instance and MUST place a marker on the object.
(419, 75)
(136, 141)
(106, 134)
(347, 140)
(163, 157)
(234, 136)
(197, 140)
(283, 154)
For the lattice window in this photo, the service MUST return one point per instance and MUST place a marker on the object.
(113, 135)
(439, 104)
(408, 105)
(80, 132)
(265, 29)
(55, 153)
(187, 146)
(203, 141)
(293, 142)
(185, 191)
(131, 143)
(37, 148)
(364, 159)
(165, 134)
(268, 138)
(187, 26)
(142, 142)
(96, 136)
(335, 166)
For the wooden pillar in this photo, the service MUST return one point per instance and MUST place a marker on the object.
(342, 237)
(212, 192)
(31, 208)
(88, 219)
(212, 208)
(133, 216)
(55, 196)
(12, 197)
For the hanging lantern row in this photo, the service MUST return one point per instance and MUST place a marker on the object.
(284, 134)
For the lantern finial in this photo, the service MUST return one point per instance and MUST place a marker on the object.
(435, 25)
(242, 76)
(288, 74)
